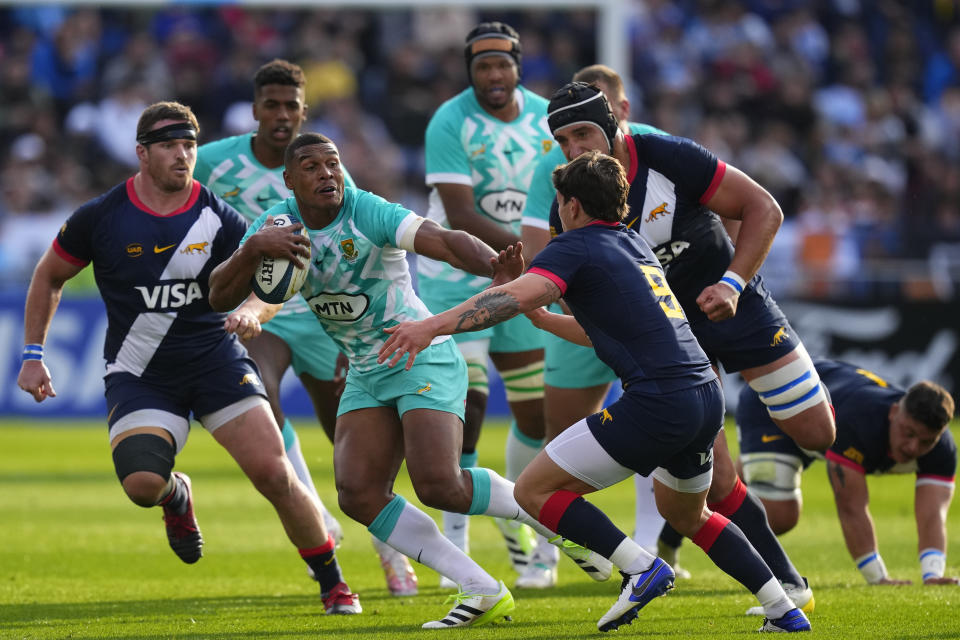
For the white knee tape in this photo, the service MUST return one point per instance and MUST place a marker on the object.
(524, 383)
(475, 353)
(773, 476)
(790, 389)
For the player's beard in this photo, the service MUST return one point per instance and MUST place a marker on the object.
(170, 182)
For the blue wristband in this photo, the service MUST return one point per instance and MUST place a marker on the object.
(32, 352)
(733, 283)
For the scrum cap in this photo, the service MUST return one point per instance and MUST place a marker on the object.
(489, 39)
(578, 103)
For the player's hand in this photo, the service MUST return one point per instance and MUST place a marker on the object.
(407, 338)
(340, 374)
(244, 323)
(281, 242)
(942, 580)
(508, 265)
(891, 582)
(718, 301)
(34, 378)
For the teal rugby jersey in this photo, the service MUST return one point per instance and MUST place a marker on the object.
(536, 212)
(466, 145)
(359, 281)
(229, 169)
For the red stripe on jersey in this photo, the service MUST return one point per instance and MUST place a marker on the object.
(553, 509)
(632, 149)
(603, 223)
(833, 456)
(552, 277)
(60, 251)
(710, 531)
(715, 183)
(135, 199)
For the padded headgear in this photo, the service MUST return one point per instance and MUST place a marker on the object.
(579, 102)
(492, 38)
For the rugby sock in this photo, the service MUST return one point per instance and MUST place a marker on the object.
(414, 534)
(520, 451)
(632, 558)
(647, 520)
(456, 526)
(575, 519)
(744, 510)
(730, 550)
(176, 496)
(323, 563)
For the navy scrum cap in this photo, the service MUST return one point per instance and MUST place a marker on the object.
(579, 102)
(492, 38)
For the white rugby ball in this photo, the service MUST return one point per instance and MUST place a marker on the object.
(277, 280)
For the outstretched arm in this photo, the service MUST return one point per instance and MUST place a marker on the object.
(483, 310)
(931, 502)
(560, 325)
(230, 280)
(43, 298)
(458, 204)
(852, 498)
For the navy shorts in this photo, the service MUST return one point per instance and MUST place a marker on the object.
(671, 430)
(201, 394)
(759, 334)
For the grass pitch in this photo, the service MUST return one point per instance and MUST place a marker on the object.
(79, 561)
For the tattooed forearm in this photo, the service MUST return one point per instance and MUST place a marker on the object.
(489, 309)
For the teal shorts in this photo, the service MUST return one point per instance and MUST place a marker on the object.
(312, 350)
(437, 380)
(516, 334)
(571, 366)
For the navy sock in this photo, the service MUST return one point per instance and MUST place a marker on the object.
(322, 561)
(575, 519)
(747, 512)
(670, 536)
(731, 551)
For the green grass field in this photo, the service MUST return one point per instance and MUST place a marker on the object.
(78, 560)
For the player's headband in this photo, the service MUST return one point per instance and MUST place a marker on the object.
(491, 39)
(175, 131)
(578, 102)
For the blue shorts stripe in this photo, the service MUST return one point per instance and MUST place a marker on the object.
(481, 491)
(383, 525)
(789, 385)
(803, 398)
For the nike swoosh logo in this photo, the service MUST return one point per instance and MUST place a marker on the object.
(765, 438)
(157, 249)
(640, 588)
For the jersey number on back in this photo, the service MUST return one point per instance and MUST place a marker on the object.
(661, 289)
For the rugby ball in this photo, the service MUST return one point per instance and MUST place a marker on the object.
(277, 280)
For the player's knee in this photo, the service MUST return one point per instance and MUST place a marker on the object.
(798, 402)
(441, 493)
(782, 515)
(272, 476)
(524, 383)
(143, 463)
(775, 479)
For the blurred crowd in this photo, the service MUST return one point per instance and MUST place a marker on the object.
(848, 111)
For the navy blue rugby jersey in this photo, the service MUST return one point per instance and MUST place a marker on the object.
(671, 179)
(152, 273)
(862, 402)
(615, 288)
